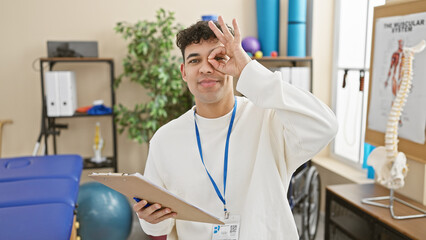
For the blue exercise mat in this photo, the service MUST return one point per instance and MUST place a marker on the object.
(268, 17)
(296, 40)
(296, 34)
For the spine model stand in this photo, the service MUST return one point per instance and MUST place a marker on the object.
(390, 164)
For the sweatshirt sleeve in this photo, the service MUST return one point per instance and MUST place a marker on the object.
(308, 125)
(152, 172)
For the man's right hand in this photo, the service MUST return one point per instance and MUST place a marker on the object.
(154, 213)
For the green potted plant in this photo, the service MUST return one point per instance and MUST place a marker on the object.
(150, 63)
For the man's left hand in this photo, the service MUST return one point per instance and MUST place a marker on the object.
(235, 56)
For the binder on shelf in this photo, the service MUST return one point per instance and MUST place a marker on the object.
(300, 77)
(52, 97)
(286, 74)
(67, 93)
(61, 94)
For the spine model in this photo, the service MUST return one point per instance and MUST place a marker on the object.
(389, 164)
(391, 136)
(395, 169)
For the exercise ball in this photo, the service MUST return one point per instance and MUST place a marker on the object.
(103, 213)
(258, 54)
(250, 44)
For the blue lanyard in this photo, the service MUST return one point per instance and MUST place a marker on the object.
(225, 164)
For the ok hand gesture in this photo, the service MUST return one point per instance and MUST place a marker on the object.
(236, 57)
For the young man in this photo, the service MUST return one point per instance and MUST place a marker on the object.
(231, 155)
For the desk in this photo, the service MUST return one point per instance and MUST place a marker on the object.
(347, 218)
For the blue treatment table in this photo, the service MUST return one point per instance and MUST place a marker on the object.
(38, 196)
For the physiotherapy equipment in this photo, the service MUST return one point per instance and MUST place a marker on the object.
(38, 196)
(390, 164)
(268, 25)
(250, 45)
(296, 45)
(103, 213)
(304, 197)
(209, 17)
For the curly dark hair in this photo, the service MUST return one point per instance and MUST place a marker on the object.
(195, 33)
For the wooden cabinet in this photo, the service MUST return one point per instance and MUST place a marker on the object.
(348, 218)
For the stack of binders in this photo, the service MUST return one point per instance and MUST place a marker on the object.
(61, 94)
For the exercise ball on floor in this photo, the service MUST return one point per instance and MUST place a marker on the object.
(103, 213)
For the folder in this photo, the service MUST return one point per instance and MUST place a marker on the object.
(67, 93)
(61, 93)
(52, 96)
(301, 78)
(286, 74)
(137, 186)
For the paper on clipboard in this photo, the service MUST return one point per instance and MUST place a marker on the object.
(136, 185)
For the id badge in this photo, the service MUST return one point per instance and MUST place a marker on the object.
(229, 231)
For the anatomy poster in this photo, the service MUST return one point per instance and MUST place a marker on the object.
(391, 35)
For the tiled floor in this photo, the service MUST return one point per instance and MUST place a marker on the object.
(320, 230)
(138, 234)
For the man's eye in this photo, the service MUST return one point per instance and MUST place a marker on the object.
(193, 61)
(219, 58)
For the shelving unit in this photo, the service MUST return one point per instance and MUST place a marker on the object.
(49, 126)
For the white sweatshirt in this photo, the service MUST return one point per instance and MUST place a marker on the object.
(277, 128)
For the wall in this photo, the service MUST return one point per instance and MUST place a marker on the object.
(415, 182)
(26, 26)
(322, 52)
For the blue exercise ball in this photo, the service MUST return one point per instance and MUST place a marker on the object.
(103, 213)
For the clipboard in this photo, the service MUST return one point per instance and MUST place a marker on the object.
(136, 185)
